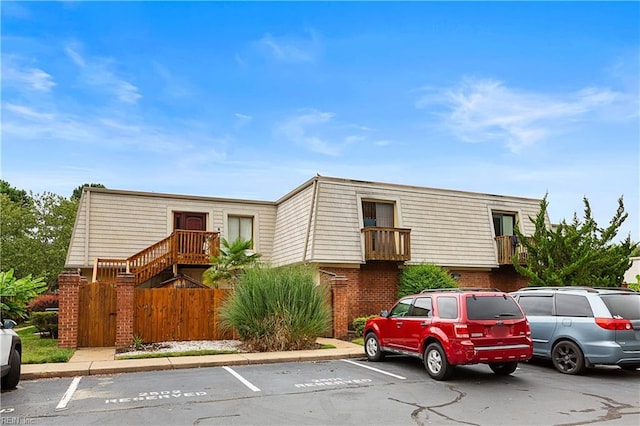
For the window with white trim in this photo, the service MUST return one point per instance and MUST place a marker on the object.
(239, 227)
(503, 223)
(377, 214)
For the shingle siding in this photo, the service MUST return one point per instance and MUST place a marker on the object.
(122, 223)
(291, 228)
(449, 228)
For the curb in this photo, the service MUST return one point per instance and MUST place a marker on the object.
(92, 368)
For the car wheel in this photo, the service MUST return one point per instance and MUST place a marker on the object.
(567, 357)
(372, 348)
(10, 381)
(435, 361)
(503, 368)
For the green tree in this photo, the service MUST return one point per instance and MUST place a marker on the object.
(18, 196)
(15, 294)
(77, 193)
(416, 278)
(16, 235)
(233, 259)
(55, 217)
(34, 236)
(576, 252)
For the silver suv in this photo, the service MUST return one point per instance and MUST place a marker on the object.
(578, 327)
(10, 355)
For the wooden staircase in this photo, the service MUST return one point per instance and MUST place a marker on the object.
(180, 248)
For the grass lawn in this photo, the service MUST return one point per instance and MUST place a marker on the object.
(358, 341)
(37, 350)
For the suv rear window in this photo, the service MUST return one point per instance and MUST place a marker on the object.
(626, 306)
(492, 307)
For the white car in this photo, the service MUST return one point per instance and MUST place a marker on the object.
(10, 355)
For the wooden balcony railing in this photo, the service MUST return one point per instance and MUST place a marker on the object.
(180, 248)
(387, 243)
(508, 246)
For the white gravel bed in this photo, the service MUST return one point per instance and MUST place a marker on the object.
(193, 345)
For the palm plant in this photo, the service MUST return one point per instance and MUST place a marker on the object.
(229, 264)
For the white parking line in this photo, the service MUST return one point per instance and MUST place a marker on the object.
(242, 379)
(374, 369)
(62, 405)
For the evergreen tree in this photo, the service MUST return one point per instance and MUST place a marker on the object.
(575, 253)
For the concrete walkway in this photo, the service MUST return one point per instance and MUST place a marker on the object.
(92, 361)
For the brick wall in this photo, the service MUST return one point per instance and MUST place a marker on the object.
(369, 289)
(68, 308)
(374, 286)
(480, 279)
(124, 309)
(507, 279)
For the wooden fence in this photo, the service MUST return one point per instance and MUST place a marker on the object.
(178, 314)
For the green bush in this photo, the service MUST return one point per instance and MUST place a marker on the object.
(416, 278)
(46, 323)
(275, 309)
(358, 324)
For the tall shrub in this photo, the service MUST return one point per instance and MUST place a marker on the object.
(416, 278)
(276, 309)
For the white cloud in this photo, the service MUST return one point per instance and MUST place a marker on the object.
(25, 124)
(487, 110)
(96, 72)
(303, 130)
(241, 120)
(15, 73)
(291, 49)
(320, 132)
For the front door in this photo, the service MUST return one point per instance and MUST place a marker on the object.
(190, 221)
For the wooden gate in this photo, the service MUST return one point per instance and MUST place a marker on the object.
(178, 314)
(97, 315)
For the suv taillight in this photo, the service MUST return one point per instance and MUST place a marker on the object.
(461, 330)
(614, 324)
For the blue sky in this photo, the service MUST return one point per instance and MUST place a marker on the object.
(250, 99)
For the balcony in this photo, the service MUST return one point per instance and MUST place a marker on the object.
(392, 244)
(508, 247)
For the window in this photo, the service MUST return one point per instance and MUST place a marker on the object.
(240, 227)
(623, 305)
(503, 223)
(537, 305)
(401, 309)
(492, 307)
(377, 214)
(448, 307)
(422, 307)
(570, 305)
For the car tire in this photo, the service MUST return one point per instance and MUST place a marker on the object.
(503, 368)
(435, 361)
(372, 348)
(567, 357)
(10, 381)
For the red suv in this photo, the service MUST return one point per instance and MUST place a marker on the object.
(449, 327)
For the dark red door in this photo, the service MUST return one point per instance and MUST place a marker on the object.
(190, 221)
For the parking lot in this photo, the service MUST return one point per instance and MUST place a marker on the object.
(397, 391)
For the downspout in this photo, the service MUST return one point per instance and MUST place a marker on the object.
(311, 215)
